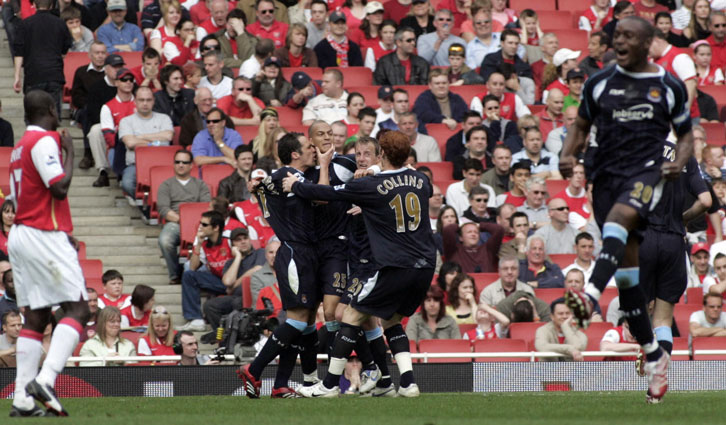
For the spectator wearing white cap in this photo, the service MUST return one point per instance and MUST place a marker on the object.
(563, 60)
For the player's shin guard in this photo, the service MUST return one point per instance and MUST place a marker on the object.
(615, 237)
(281, 338)
(664, 336)
(363, 351)
(398, 341)
(28, 351)
(332, 327)
(309, 354)
(64, 341)
(378, 350)
(344, 344)
(632, 303)
(288, 356)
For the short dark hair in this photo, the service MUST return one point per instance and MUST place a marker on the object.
(604, 37)
(324, 3)
(10, 313)
(367, 112)
(517, 214)
(477, 190)
(141, 295)
(239, 14)
(662, 15)
(150, 53)
(583, 235)
(508, 32)
(489, 98)
(474, 130)
(286, 146)
(522, 311)
(472, 164)
(184, 151)
(216, 219)
(241, 149)
(70, 13)
(470, 114)
(554, 304)
(369, 141)
(110, 275)
(166, 72)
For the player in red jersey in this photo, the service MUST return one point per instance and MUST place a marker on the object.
(45, 262)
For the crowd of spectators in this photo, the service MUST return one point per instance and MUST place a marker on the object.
(210, 67)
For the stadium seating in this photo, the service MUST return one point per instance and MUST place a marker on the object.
(249, 132)
(81, 250)
(189, 215)
(466, 327)
(177, 133)
(413, 92)
(286, 115)
(680, 343)
(709, 343)
(313, 72)
(694, 296)
(520, 5)
(71, 62)
(441, 170)
(555, 19)
(95, 283)
(246, 292)
(573, 39)
(5, 180)
(715, 132)
(445, 346)
(594, 334)
(682, 315)
(549, 294)
(92, 269)
(5, 152)
(441, 133)
(571, 5)
(497, 346)
(606, 298)
(148, 157)
(356, 76)
(554, 187)
(468, 92)
(131, 59)
(563, 260)
(369, 93)
(212, 174)
(717, 92)
(132, 336)
(524, 331)
(482, 280)
(157, 175)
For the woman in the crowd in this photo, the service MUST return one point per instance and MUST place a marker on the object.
(354, 11)
(384, 46)
(137, 314)
(167, 39)
(107, 343)
(462, 300)
(447, 216)
(8, 217)
(697, 28)
(355, 103)
(368, 33)
(420, 18)
(192, 75)
(159, 336)
(294, 53)
(269, 121)
(432, 321)
(707, 75)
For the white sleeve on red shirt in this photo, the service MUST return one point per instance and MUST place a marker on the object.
(46, 159)
(684, 67)
(125, 321)
(611, 336)
(520, 109)
(107, 118)
(155, 34)
(718, 76)
(584, 23)
(170, 51)
(708, 282)
(143, 349)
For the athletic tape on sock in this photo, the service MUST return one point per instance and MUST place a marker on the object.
(374, 334)
(614, 230)
(664, 333)
(627, 277)
(297, 324)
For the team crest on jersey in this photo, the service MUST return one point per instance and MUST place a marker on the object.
(654, 94)
(505, 109)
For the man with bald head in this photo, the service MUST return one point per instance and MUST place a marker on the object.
(195, 121)
(511, 106)
(556, 137)
(558, 235)
(636, 105)
(551, 116)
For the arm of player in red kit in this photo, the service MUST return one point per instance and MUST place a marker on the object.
(47, 161)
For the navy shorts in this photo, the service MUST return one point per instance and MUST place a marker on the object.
(296, 267)
(332, 257)
(393, 290)
(641, 191)
(663, 270)
(357, 276)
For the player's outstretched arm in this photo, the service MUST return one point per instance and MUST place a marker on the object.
(59, 189)
(574, 142)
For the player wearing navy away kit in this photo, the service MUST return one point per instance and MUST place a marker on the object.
(663, 272)
(394, 204)
(632, 105)
(44, 261)
(292, 219)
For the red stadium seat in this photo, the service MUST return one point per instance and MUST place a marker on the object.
(370, 93)
(549, 294)
(555, 19)
(594, 334)
(5, 180)
(214, 173)
(413, 92)
(131, 59)
(249, 132)
(157, 175)
(132, 336)
(71, 62)
(571, 5)
(499, 346)
(524, 331)
(92, 268)
(682, 315)
(313, 72)
(606, 298)
(468, 92)
(445, 346)
(356, 76)
(715, 132)
(482, 280)
(444, 184)
(5, 152)
(148, 157)
(441, 170)
(520, 5)
(694, 296)
(717, 92)
(573, 39)
(709, 343)
(563, 260)
(680, 343)
(189, 215)
(246, 293)
(554, 187)
(441, 133)
(287, 115)
(81, 250)
(95, 283)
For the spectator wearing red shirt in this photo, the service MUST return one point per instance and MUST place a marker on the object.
(215, 20)
(266, 26)
(113, 286)
(368, 33)
(159, 337)
(147, 74)
(519, 173)
(575, 196)
(211, 250)
(619, 339)
(241, 106)
(397, 10)
(7, 217)
(647, 10)
(551, 116)
(717, 39)
(137, 314)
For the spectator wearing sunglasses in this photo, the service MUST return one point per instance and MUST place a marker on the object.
(266, 26)
(534, 206)
(403, 66)
(558, 235)
(216, 143)
(434, 47)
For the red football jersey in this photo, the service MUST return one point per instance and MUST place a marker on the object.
(36, 164)
(215, 256)
(133, 321)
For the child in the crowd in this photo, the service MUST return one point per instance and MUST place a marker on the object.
(575, 80)
(113, 285)
(138, 312)
(490, 324)
(531, 32)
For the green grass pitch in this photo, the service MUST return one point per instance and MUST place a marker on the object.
(457, 409)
